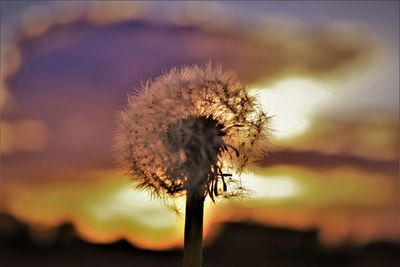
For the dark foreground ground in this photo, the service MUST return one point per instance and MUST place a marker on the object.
(238, 245)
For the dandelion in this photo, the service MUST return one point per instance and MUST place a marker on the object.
(190, 131)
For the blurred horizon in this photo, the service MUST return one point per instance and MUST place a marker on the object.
(264, 245)
(326, 71)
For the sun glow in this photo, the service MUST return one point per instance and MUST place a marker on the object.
(271, 187)
(292, 103)
(133, 204)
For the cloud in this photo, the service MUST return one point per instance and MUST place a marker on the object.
(273, 50)
(365, 135)
(317, 160)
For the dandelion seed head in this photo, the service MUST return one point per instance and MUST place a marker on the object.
(189, 130)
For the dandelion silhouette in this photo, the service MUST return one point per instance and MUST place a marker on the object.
(188, 132)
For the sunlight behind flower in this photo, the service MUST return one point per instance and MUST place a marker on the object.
(301, 97)
(272, 187)
(132, 204)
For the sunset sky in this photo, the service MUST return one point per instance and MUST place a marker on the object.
(326, 71)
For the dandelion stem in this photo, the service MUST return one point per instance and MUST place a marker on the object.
(193, 230)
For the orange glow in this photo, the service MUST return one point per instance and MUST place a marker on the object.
(11, 60)
(103, 210)
(341, 213)
(108, 209)
(108, 13)
(5, 97)
(26, 135)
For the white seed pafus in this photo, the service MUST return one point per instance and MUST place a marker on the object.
(190, 129)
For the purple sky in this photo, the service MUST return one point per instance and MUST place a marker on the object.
(85, 77)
